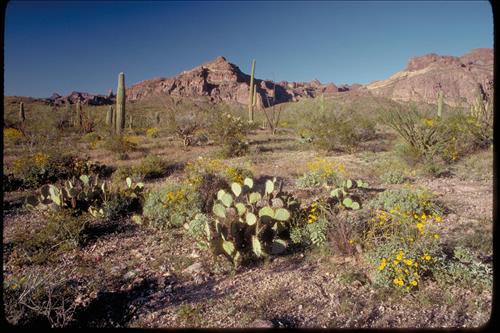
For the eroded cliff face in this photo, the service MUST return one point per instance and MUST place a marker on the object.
(221, 80)
(460, 78)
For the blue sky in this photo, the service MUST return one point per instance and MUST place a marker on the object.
(65, 46)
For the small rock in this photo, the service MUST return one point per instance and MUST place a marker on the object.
(193, 269)
(129, 275)
(300, 307)
(261, 323)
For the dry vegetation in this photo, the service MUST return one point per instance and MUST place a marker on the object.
(417, 252)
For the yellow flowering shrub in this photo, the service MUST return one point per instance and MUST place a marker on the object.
(401, 245)
(12, 135)
(320, 172)
(195, 171)
(152, 132)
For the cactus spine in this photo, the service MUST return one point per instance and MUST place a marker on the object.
(440, 103)
(22, 115)
(109, 116)
(120, 104)
(250, 102)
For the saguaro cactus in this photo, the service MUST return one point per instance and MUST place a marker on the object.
(440, 103)
(109, 116)
(157, 118)
(250, 101)
(78, 120)
(120, 104)
(254, 98)
(22, 116)
(130, 122)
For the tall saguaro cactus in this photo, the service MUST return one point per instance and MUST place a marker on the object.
(250, 101)
(440, 103)
(254, 98)
(78, 120)
(120, 104)
(109, 116)
(22, 115)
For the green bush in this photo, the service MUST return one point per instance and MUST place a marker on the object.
(172, 205)
(310, 227)
(463, 270)
(43, 168)
(334, 129)
(408, 200)
(197, 229)
(120, 145)
(63, 232)
(393, 177)
(322, 172)
(230, 132)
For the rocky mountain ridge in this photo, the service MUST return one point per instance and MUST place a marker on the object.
(460, 78)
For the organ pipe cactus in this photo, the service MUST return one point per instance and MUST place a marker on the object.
(440, 103)
(250, 96)
(120, 104)
(22, 115)
(109, 116)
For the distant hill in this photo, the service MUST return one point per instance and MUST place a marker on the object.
(460, 78)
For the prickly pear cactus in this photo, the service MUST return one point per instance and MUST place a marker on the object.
(251, 222)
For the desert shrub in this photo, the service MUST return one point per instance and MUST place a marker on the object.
(45, 295)
(197, 229)
(479, 122)
(196, 170)
(402, 237)
(393, 177)
(463, 270)
(122, 172)
(11, 183)
(12, 135)
(42, 168)
(119, 145)
(428, 139)
(171, 205)
(335, 129)
(207, 188)
(310, 226)
(321, 172)
(150, 167)
(418, 201)
(63, 232)
(230, 132)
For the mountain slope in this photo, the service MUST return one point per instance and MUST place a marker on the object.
(460, 78)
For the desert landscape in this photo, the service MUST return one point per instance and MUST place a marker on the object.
(215, 198)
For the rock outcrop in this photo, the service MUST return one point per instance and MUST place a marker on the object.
(220, 80)
(460, 79)
(85, 99)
